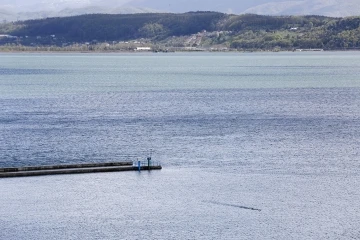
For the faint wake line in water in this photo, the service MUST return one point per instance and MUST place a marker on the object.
(233, 205)
(28, 71)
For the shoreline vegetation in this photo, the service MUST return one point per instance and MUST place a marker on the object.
(187, 32)
(42, 51)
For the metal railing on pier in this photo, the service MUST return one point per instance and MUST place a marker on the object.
(146, 163)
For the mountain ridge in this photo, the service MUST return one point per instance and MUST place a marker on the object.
(35, 9)
(333, 8)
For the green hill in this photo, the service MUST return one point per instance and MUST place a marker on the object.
(193, 29)
(118, 26)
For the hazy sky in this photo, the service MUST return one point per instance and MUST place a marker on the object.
(271, 7)
(30, 2)
(210, 2)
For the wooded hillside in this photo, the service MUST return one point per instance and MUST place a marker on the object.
(245, 32)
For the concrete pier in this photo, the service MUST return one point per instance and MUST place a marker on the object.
(73, 169)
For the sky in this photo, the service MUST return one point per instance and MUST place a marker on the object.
(338, 8)
(165, 5)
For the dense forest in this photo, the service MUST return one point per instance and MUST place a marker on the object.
(245, 32)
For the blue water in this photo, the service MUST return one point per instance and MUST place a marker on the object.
(277, 133)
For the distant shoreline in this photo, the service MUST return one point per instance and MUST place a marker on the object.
(184, 32)
(153, 52)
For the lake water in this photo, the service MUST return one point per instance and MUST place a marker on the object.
(253, 146)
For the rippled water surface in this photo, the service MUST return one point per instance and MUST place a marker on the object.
(254, 146)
